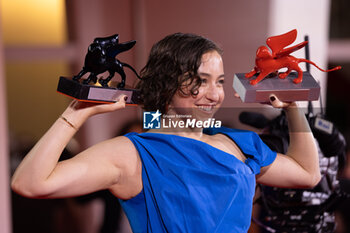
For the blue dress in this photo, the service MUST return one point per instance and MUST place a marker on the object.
(191, 186)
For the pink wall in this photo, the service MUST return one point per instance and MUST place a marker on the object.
(5, 223)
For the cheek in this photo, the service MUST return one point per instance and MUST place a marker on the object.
(201, 91)
(222, 94)
(182, 102)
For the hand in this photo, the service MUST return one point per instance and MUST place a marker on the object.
(78, 112)
(276, 103)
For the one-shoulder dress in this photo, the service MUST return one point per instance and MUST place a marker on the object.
(191, 186)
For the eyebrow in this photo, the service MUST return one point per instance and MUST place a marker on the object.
(208, 75)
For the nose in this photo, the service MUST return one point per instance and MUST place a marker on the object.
(213, 93)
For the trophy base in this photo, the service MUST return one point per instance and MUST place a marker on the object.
(284, 89)
(97, 94)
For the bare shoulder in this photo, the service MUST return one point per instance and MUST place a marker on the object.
(125, 153)
(119, 151)
(115, 149)
(127, 159)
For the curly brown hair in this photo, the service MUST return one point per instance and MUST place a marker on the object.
(172, 66)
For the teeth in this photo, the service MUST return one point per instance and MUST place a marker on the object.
(206, 108)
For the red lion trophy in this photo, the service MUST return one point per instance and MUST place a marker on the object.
(267, 66)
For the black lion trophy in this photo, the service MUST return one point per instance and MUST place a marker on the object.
(101, 57)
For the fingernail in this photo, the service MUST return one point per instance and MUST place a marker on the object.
(125, 98)
(272, 98)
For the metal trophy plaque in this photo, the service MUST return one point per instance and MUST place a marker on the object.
(101, 57)
(285, 89)
(257, 85)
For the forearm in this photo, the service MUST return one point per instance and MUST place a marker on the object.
(32, 174)
(302, 147)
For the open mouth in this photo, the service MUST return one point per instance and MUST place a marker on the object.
(206, 108)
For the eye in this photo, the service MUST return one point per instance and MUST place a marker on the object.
(203, 80)
(221, 81)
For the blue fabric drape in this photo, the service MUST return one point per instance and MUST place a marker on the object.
(191, 186)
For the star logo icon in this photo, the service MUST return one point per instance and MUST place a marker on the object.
(151, 120)
(156, 116)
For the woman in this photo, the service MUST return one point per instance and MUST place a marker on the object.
(178, 179)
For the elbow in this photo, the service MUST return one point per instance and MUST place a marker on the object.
(21, 189)
(313, 181)
(316, 179)
(26, 190)
(18, 188)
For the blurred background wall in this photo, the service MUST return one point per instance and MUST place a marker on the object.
(42, 40)
(5, 225)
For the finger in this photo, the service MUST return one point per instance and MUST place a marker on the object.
(120, 102)
(123, 98)
(276, 103)
(110, 107)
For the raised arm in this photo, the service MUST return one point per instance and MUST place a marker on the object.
(40, 175)
(299, 168)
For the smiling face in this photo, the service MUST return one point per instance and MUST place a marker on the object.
(210, 93)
